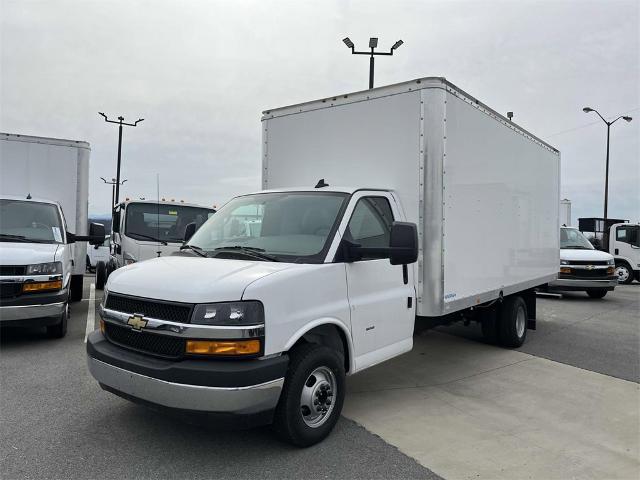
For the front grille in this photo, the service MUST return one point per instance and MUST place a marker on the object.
(588, 262)
(10, 290)
(170, 311)
(6, 270)
(591, 274)
(151, 343)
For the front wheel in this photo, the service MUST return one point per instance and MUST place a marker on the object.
(101, 275)
(312, 397)
(624, 273)
(596, 292)
(59, 330)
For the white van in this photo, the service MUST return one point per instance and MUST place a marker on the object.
(36, 263)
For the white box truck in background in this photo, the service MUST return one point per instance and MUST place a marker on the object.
(401, 204)
(56, 170)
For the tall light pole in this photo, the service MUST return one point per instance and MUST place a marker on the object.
(606, 175)
(113, 184)
(373, 43)
(120, 123)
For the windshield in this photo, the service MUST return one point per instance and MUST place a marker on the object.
(292, 226)
(22, 221)
(571, 238)
(167, 223)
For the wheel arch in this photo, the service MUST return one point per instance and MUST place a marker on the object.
(326, 331)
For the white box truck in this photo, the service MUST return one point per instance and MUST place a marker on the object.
(43, 213)
(401, 204)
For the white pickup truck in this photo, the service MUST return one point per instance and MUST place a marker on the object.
(452, 216)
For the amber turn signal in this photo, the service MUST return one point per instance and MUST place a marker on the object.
(216, 347)
(611, 270)
(102, 327)
(565, 270)
(42, 286)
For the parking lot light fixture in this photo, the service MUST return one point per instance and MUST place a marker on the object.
(606, 175)
(373, 44)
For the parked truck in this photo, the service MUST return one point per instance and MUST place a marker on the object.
(43, 226)
(144, 229)
(380, 209)
(619, 238)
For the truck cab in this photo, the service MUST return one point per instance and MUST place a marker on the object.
(144, 229)
(36, 263)
(624, 245)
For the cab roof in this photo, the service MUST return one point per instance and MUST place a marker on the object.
(26, 199)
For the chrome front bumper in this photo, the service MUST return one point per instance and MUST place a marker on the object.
(27, 312)
(577, 283)
(237, 400)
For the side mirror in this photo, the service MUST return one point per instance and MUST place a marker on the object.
(189, 230)
(115, 221)
(95, 237)
(402, 249)
(403, 243)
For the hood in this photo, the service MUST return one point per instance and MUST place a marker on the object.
(19, 253)
(190, 279)
(583, 255)
(145, 250)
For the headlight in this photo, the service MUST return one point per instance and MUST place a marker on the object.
(51, 268)
(564, 262)
(229, 313)
(611, 262)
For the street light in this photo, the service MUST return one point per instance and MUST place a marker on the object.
(606, 175)
(113, 184)
(373, 43)
(120, 123)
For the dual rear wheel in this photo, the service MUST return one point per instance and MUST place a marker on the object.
(506, 325)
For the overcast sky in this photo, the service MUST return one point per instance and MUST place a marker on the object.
(201, 72)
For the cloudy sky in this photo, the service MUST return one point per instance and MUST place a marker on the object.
(201, 72)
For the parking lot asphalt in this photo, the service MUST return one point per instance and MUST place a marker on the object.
(565, 405)
(56, 423)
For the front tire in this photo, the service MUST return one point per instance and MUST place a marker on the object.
(59, 330)
(101, 275)
(624, 273)
(597, 292)
(76, 288)
(312, 397)
(513, 322)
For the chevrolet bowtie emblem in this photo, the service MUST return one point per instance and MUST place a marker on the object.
(590, 267)
(137, 321)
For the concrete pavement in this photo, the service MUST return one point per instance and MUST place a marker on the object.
(471, 410)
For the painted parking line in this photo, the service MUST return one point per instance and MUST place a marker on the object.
(91, 312)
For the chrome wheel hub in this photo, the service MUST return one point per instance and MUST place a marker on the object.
(521, 322)
(318, 396)
(623, 273)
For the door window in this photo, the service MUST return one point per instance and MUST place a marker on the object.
(627, 235)
(370, 224)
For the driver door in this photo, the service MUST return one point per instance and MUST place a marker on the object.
(381, 295)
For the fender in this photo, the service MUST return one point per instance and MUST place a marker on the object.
(317, 323)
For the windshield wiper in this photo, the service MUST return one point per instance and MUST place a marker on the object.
(195, 249)
(250, 251)
(575, 247)
(149, 237)
(21, 238)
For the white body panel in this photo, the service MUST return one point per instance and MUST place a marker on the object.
(98, 253)
(565, 212)
(483, 192)
(53, 169)
(621, 248)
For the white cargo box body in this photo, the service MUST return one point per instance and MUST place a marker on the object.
(483, 191)
(52, 169)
